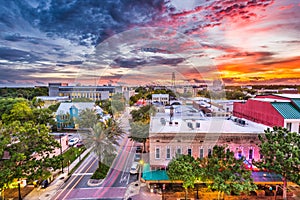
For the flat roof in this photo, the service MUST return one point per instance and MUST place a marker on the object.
(270, 100)
(195, 122)
(291, 96)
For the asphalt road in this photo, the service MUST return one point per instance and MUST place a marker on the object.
(113, 186)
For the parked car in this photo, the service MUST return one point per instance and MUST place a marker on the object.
(80, 144)
(138, 149)
(134, 168)
(44, 183)
(137, 157)
(73, 141)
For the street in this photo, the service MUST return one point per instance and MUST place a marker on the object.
(113, 186)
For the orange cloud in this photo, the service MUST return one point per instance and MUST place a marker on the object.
(262, 73)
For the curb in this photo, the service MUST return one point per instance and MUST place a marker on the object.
(94, 182)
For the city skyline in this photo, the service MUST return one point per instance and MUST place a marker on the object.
(144, 42)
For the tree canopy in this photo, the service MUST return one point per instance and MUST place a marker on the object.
(225, 173)
(143, 114)
(102, 137)
(280, 149)
(221, 172)
(186, 169)
(139, 132)
(25, 141)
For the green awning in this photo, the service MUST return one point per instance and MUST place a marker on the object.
(156, 175)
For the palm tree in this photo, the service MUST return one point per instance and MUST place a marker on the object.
(103, 139)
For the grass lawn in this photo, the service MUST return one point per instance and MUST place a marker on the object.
(100, 172)
(71, 154)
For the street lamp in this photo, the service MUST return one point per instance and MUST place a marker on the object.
(162, 192)
(141, 162)
(62, 160)
(68, 166)
(19, 189)
(79, 154)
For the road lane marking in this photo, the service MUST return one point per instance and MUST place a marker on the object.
(82, 174)
(71, 182)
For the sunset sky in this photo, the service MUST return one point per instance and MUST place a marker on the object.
(145, 41)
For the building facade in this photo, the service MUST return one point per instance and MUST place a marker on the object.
(90, 92)
(189, 133)
(67, 113)
(161, 99)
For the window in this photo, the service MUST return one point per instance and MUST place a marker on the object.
(178, 150)
(250, 153)
(201, 153)
(261, 156)
(209, 152)
(157, 153)
(189, 151)
(168, 153)
(289, 126)
(239, 154)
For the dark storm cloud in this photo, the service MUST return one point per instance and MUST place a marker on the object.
(17, 55)
(154, 60)
(75, 62)
(90, 20)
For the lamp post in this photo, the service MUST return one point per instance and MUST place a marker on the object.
(68, 166)
(141, 165)
(162, 192)
(62, 160)
(19, 189)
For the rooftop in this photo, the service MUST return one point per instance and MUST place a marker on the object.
(287, 110)
(65, 107)
(188, 120)
(291, 96)
(270, 100)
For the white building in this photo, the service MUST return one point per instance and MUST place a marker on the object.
(162, 99)
(189, 132)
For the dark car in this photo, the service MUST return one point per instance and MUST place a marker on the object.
(137, 157)
(138, 149)
(44, 183)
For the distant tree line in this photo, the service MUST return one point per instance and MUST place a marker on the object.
(26, 93)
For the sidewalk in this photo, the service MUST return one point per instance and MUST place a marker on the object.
(50, 191)
(139, 191)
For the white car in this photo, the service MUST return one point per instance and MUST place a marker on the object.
(134, 168)
(73, 141)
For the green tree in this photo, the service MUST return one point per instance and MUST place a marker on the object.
(186, 169)
(281, 154)
(37, 102)
(101, 136)
(139, 132)
(87, 119)
(54, 107)
(21, 111)
(103, 141)
(226, 174)
(143, 114)
(118, 103)
(30, 148)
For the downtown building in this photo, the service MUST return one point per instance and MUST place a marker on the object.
(188, 131)
(90, 92)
